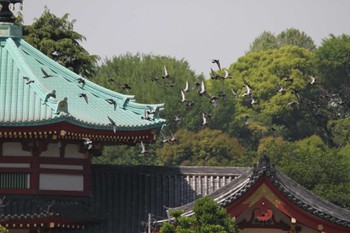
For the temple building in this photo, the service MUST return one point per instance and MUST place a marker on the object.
(52, 123)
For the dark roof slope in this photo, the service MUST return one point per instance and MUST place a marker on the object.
(123, 196)
(294, 192)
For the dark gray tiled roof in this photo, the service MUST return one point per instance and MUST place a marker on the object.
(26, 207)
(294, 192)
(123, 196)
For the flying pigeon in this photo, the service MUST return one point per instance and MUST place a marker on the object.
(186, 89)
(313, 80)
(246, 118)
(126, 87)
(217, 62)
(46, 75)
(83, 95)
(51, 94)
(143, 149)
(29, 81)
(214, 75)
(165, 75)
(204, 119)
(112, 123)
(112, 101)
(81, 81)
(227, 75)
(145, 115)
(88, 143)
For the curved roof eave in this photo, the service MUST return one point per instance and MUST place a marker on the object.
(43, 99)
(293, 191)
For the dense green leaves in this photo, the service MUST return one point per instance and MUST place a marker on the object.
(56, 38)
(3, 230)
(290, 36)
(207, 147)
(208, 217)
(268, 102)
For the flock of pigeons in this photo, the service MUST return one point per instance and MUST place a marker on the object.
(200, 89)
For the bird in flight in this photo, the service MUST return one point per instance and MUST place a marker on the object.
(281, 90)
(126, 87)
(88, 143)
(113, 102)
(81, 81)
(51, 94)
(143, 149)
(165, 139)
(172, 137)
(217, 62)
(112, 123)
(186, 89)
(166, 74)
(177, 119)
(83, 95)
(29, 81)
(145, 115)
(183, 97)
(226, 75)
(313, 80)
(246, 118)
(46, 75)
(214, 75)
(204, 119)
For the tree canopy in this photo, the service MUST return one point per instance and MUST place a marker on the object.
(208, 217)
(284, 96)
(56, 38)
(290, 36)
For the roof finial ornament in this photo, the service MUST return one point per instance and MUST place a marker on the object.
(6, 14)
(264, 160)
(264, 166)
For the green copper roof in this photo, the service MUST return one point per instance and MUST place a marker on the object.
(28, 98)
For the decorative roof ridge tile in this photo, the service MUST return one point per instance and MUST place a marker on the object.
(308, 201)
(293, 191)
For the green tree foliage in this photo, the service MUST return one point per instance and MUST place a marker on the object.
(206, 147)
(311, 163)
(265, 41)
(273, 113)
(340, 130)
(56, 38)
(208, 217)
(145, 75)
(333, 68)
(290, 36)
(3, 230)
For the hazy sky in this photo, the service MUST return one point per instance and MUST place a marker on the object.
(194, 30)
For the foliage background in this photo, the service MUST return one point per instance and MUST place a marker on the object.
(304, 128)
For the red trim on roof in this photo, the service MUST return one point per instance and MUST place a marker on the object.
(287, 207)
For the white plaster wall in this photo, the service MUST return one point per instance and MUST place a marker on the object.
(14, 149)
(61, 182)
(72, 151)
(64, 166)
(52, 151)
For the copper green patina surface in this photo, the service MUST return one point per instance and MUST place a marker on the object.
(29, 98)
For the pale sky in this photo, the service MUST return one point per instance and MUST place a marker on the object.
(194, 30)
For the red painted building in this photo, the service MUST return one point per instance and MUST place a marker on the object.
(53, 121)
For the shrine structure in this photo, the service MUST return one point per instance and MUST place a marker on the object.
(52, 122)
